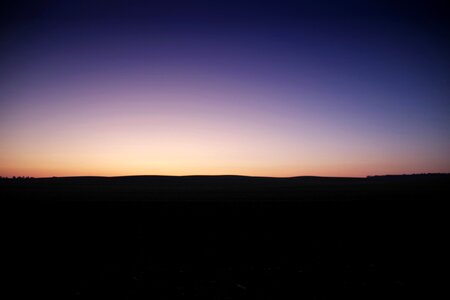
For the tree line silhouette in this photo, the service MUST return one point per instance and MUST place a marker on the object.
(16, 177)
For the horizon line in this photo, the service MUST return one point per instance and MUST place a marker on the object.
(221, 175)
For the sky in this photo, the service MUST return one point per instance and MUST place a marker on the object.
(260, 88)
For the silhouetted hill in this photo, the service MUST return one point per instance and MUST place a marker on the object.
(223, 188)
(225, 237)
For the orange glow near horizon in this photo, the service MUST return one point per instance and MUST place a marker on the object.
(194, 138)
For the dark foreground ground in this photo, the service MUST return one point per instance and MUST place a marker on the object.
(224, 237)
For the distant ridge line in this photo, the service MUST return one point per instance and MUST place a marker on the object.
(230, 176)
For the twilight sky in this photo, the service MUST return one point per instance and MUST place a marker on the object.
(330, 88)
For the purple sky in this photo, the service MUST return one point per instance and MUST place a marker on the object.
(269, 90)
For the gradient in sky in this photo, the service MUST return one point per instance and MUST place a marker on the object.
(330, 88)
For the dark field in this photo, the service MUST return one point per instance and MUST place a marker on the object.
(224, 237)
